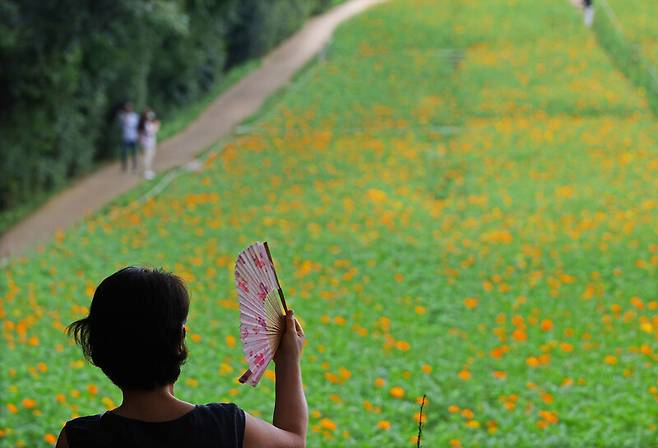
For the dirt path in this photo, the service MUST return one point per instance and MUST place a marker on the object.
(90, 193)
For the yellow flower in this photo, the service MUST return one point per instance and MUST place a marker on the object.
(376, 195)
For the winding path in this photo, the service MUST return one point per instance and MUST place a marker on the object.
(92, 192)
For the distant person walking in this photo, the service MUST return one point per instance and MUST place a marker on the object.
(588, 13)
(148, 130)
(129, 121)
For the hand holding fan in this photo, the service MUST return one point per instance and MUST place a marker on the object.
(262, 309)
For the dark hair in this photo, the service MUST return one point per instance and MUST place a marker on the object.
(142, 122)
(134, 331)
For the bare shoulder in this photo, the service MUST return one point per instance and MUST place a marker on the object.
(259, 433)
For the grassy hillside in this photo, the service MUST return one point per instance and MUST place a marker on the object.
(460, 202)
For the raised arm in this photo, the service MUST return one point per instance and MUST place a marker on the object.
(290, 419)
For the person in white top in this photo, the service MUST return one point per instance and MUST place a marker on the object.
(588, 13)
(129, 121)
(148, 130)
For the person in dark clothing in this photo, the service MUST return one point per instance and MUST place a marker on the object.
(135, 333)
(129, 120)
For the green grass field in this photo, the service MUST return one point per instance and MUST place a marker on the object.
(461, 202)
(637, 22)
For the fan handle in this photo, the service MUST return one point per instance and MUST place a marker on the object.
(281, 296)
(245, 376)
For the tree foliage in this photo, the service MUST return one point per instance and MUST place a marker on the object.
(66, 66)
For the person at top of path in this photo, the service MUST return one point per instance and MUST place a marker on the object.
(148, 129)
(588, 13)
(129, 121)
(135, 333)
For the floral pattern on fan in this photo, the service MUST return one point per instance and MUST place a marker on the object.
(262, 309)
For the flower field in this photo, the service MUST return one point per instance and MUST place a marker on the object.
(460, 198)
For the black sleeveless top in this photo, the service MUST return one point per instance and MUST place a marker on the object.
(217, 425)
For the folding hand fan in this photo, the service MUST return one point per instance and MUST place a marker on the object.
(262, 309)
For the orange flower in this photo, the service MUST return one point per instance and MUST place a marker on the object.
(397, 392)
(566, 347)
(610, 360)
(532, 361)
(464, 375)
(519, 335)
(497, 352)
(427, 369)
(376, 195)
(637, 302)
(108, 402)
(418, 417)
(328, 424)
(331, 377)
(470, 303)
(28, 403)
(50, 439)
(402, 345)
(12, 408)
(549, 416)
(380, 382)
(384, 424)
(546, 325)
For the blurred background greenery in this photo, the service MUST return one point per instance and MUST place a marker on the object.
(68, 65)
